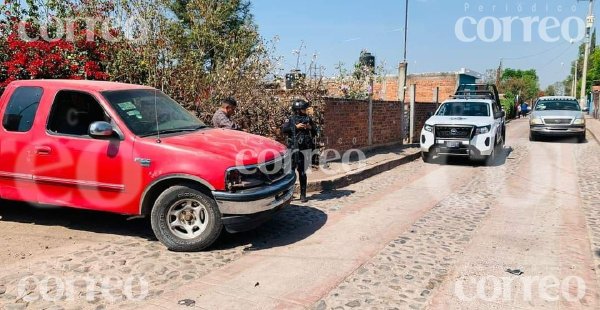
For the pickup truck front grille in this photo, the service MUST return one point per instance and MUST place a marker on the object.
(558, 121)
(453, 132)
(274, 170)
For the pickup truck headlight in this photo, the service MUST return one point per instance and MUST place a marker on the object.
(428, 128)
(483, 130)
(579, 121)
(536, 121)
(243, 178)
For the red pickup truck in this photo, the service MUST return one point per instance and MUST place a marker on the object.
(132, 150)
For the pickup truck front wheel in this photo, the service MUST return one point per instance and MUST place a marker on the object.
(581, 138)
(185, 220)
(532, 136)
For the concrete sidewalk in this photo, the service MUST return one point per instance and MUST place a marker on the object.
(593, 127)
(338, 174)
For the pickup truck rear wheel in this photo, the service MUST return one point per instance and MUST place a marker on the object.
(186, 220)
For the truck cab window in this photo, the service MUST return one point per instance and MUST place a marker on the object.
(21, 109)
(73, 113)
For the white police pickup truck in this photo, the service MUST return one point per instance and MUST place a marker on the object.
(471, 125)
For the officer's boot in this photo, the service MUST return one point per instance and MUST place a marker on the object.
(303, 181)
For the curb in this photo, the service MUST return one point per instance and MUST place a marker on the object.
(352, 178)
(592, 132)
(593, 135)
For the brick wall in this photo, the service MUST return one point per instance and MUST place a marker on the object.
(346, 121)
(386, 122)
(346, 124)
(421, 111)
(426, 84)
(387, 89)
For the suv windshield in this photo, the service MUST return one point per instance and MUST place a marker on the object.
(557, 105)
(147, 112)
(464, 109)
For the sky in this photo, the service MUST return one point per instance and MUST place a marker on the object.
(337, 30)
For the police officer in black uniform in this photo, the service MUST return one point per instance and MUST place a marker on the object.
(301, 131)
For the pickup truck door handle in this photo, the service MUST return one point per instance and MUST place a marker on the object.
(43, 150)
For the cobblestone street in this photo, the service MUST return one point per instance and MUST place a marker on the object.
(403, 239)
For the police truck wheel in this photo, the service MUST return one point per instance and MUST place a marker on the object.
(186, 220)
(426, 156)
(491, 159)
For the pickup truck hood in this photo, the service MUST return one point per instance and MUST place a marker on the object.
(478, 121)
(557, 113)
(229, 145)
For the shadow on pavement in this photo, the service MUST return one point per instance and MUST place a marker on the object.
(75, 219)
(332, 194)
(559, 140)
(291, 225)
(501, 158)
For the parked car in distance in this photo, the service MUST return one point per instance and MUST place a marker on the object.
(132, 150)
(556, 116)
(469, 125)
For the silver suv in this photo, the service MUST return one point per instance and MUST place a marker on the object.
(557, 117)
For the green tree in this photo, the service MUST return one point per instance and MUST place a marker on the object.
(522, 83)
(550, 91)
(594, 69)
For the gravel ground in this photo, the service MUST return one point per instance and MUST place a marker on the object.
(80, 246)
(589, 183)
(410, 268)
(97, 246)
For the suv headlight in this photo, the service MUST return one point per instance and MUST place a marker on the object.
(428, 128)
(536, 121)
(579, 121)
(483, 130)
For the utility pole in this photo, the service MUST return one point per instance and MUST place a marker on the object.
(405, 28)
(402, 76)
(499, 74)
(574, 86)
(588, 35)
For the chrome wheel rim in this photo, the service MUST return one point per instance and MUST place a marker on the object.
(187, 218)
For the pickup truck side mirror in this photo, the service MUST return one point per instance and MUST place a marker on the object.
(102, 130)
(500, 114)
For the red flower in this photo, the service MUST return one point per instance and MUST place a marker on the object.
(100, 76)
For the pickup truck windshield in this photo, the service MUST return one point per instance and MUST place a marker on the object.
(464, 109)
(147, 112)
(558, 105)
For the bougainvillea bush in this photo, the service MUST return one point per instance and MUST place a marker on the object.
(25, 54)
(42, 59)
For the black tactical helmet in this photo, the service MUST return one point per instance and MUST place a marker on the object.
(299, 104)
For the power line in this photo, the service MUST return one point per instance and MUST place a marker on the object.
(559, 55)
(534, 55)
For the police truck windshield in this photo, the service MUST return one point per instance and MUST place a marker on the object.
(464, 109)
